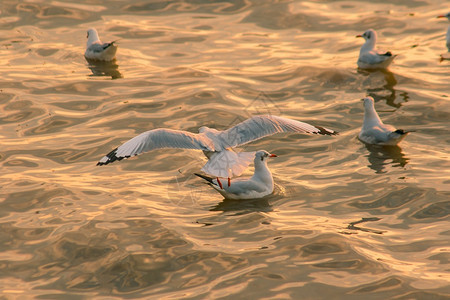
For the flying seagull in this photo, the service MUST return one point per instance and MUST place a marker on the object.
(216, 145)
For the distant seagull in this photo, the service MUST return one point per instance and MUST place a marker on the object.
(96, 50)
(216, 145)
(374, 131)
(448, 30)
(258, 186)
(369, 57)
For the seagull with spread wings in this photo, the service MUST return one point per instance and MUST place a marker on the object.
(216, 145)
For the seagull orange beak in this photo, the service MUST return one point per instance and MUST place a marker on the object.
(441, 16)
(273, 155)
(359, 35)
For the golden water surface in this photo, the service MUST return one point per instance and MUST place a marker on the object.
(346, 220)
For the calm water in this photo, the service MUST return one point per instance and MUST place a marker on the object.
(346, 221)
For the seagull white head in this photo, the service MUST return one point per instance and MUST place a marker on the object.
(371, 39)
(262, 155)
(444, 16)
(92, 36)
(368, 102)
(369, 35)
(91, 32)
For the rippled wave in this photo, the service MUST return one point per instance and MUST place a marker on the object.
(346, 220)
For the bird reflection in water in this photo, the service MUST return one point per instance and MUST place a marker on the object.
(242, 207)
(104, 68)
(387, 91)
(352, 226)
(380, 155)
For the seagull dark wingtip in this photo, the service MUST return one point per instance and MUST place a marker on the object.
(102, 163)
(110, 157)
(325, 131)
(402, 132)
(107, 45)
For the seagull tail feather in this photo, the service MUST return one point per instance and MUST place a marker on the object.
(207, 178)
(402, 132)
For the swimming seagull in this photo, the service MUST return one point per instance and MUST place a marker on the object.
(216, 145)
(258, 186)
(448, 30)
(374, 131)
(369, 58)
(96, 50)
